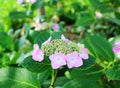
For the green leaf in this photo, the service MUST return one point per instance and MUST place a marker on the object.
(99, 47)
(34, 66)
(114, 20)
(87, 74)
(104, 8)
(85, 20)
(5, 40)
(18, 78)
(37, 4)
(56, 35)
(42, 37)
(113, 73)
(17, 15)
(81, 84)
(88, 63)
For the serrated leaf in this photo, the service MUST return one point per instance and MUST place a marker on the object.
(81, 84)
(56, 35)
(42, 37)
(99, 47)
(113, 73)
(34, 66)
(18, 78)
(88, 63)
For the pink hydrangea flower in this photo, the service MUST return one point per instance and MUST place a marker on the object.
(73, 60)
(37, 54)
(65, 39)
(56, 27)
(32, 1)
(19, 1)
(57, 60)
(83, 53)
(116, 47)
(98, 14)
(48, 40)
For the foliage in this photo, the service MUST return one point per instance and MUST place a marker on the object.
(94, 23)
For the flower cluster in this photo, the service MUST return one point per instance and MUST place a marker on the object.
(21, 1)
(46, 25)
(116, 47)
(61, 52)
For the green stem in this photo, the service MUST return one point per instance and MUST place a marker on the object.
(54, 75)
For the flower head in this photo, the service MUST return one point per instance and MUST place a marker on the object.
(32, 1)
(57, 60)
(56, 27)
(19, 1)
(116, 47)
(98, 14)
(73, 60)
(83, 53)
(37, 54)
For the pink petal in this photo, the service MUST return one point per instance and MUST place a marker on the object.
(116, 49)
(57, 60)
(79, 62)
(56, 27)
(84, 53)
(55, 66)
(37, 54)
(65, 39)
(36, 46)
(48, 40)
(73, 60)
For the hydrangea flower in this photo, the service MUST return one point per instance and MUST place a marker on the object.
(83, 53)
(65, 39)
(73, 60)
(37, 54)
(56, 27)
(116, 47)
(48, 40)
(32, 1)
(98, 14)
(57, 60)
(19, 1)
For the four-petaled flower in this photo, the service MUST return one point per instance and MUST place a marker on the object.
(37, 54)
(83, 53)
(116, 47)
(56, 27)
(57, 60)
(73, 60)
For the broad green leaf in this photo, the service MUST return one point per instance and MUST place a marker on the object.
(42, 37)
(113, 73)
(17, 15)
(104, 8)
(85, 20)
(99, 47)
(56, 35)
(18, 78)
(114, 20)
(87, 74)
(5, 40)
(60, 81)
(82, 84)
(38, 4)
(88, 63)
(34, 66)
